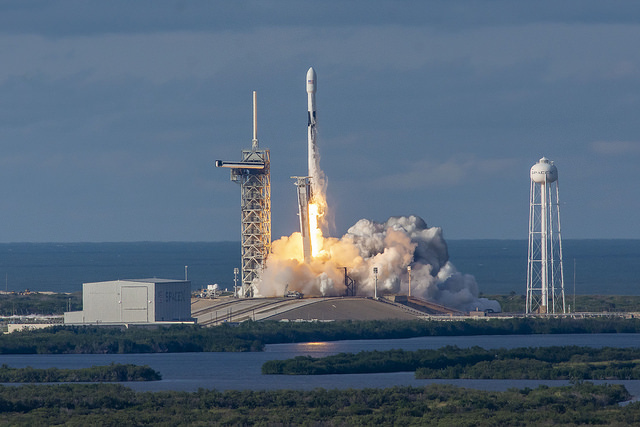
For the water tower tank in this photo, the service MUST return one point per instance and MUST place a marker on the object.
(544, 171)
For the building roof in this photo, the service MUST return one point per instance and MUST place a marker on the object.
(154, 280)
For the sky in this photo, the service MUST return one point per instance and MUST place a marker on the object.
(112, 114)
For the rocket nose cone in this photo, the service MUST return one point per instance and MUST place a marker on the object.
(311, 80)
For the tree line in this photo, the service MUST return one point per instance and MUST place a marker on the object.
(438, 404)
(253, 336)
(37, 303)
(110, 373)
(55, 304)
(514, 303)
(451, 362)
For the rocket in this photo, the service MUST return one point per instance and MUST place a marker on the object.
(304, 184)
(314, 157)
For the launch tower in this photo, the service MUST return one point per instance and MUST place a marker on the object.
(545, 275)
(254, 176)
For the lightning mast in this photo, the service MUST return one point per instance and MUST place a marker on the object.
(254, 176)
(545, 274)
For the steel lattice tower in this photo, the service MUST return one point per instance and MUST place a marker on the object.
(254, 176)
(545, 274)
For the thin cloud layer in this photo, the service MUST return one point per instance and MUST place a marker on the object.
(430, 106)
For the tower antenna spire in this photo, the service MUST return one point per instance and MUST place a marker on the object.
(254, 141)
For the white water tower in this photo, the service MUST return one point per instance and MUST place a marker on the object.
(545, 275)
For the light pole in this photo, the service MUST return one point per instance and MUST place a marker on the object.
(235, 282)
(375, 289)
(409, 271)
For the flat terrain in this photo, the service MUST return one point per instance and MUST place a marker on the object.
(215, 311)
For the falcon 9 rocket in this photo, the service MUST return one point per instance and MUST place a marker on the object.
(307, 185)
(314, 156)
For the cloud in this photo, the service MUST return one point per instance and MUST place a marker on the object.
(568, 51)
(90, 92)
(456, 171)
(616, 148)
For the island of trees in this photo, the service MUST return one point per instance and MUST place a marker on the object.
(541, 363)
(114, 372)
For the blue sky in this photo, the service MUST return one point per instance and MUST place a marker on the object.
(113, 113)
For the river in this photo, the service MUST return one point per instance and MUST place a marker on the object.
(242, 371)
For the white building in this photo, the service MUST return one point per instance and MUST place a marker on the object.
(133, 301)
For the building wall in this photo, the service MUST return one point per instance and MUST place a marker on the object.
(101, 302)
(133, 301)
(173, 301)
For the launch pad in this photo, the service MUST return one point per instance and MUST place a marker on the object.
(224, 310)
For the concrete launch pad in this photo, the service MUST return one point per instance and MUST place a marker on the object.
(210, 312)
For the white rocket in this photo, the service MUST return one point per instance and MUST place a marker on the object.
(306, 184)
(314, 157)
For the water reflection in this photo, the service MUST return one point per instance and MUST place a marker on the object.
(242, 371)
(316, 348)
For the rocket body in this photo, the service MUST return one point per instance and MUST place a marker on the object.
(307, 184)
(314, 157)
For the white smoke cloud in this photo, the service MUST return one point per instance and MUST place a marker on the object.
(391, 247)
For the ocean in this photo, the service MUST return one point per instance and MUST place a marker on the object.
(610, 267)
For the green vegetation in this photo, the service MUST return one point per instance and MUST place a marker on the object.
(544, 363)
(99, 340)
(584, 303)
(56, 304)
(437, 405)
(112, 372)
(252, 336)
(609, 303)
(36, 303)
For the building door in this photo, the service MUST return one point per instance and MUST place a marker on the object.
(134, 304)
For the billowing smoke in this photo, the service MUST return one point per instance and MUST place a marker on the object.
(391, 247)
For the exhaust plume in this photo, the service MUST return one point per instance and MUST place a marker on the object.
(391, 246)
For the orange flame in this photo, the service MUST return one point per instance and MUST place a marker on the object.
(316, 219)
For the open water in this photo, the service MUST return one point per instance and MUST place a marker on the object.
(499, 266)
(242, 371)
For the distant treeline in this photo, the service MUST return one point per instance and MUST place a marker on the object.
(583, 303)
(36, 303)
(253, 336)
(56, 304)
(445, 405)
(542, 363)
(112, 372)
